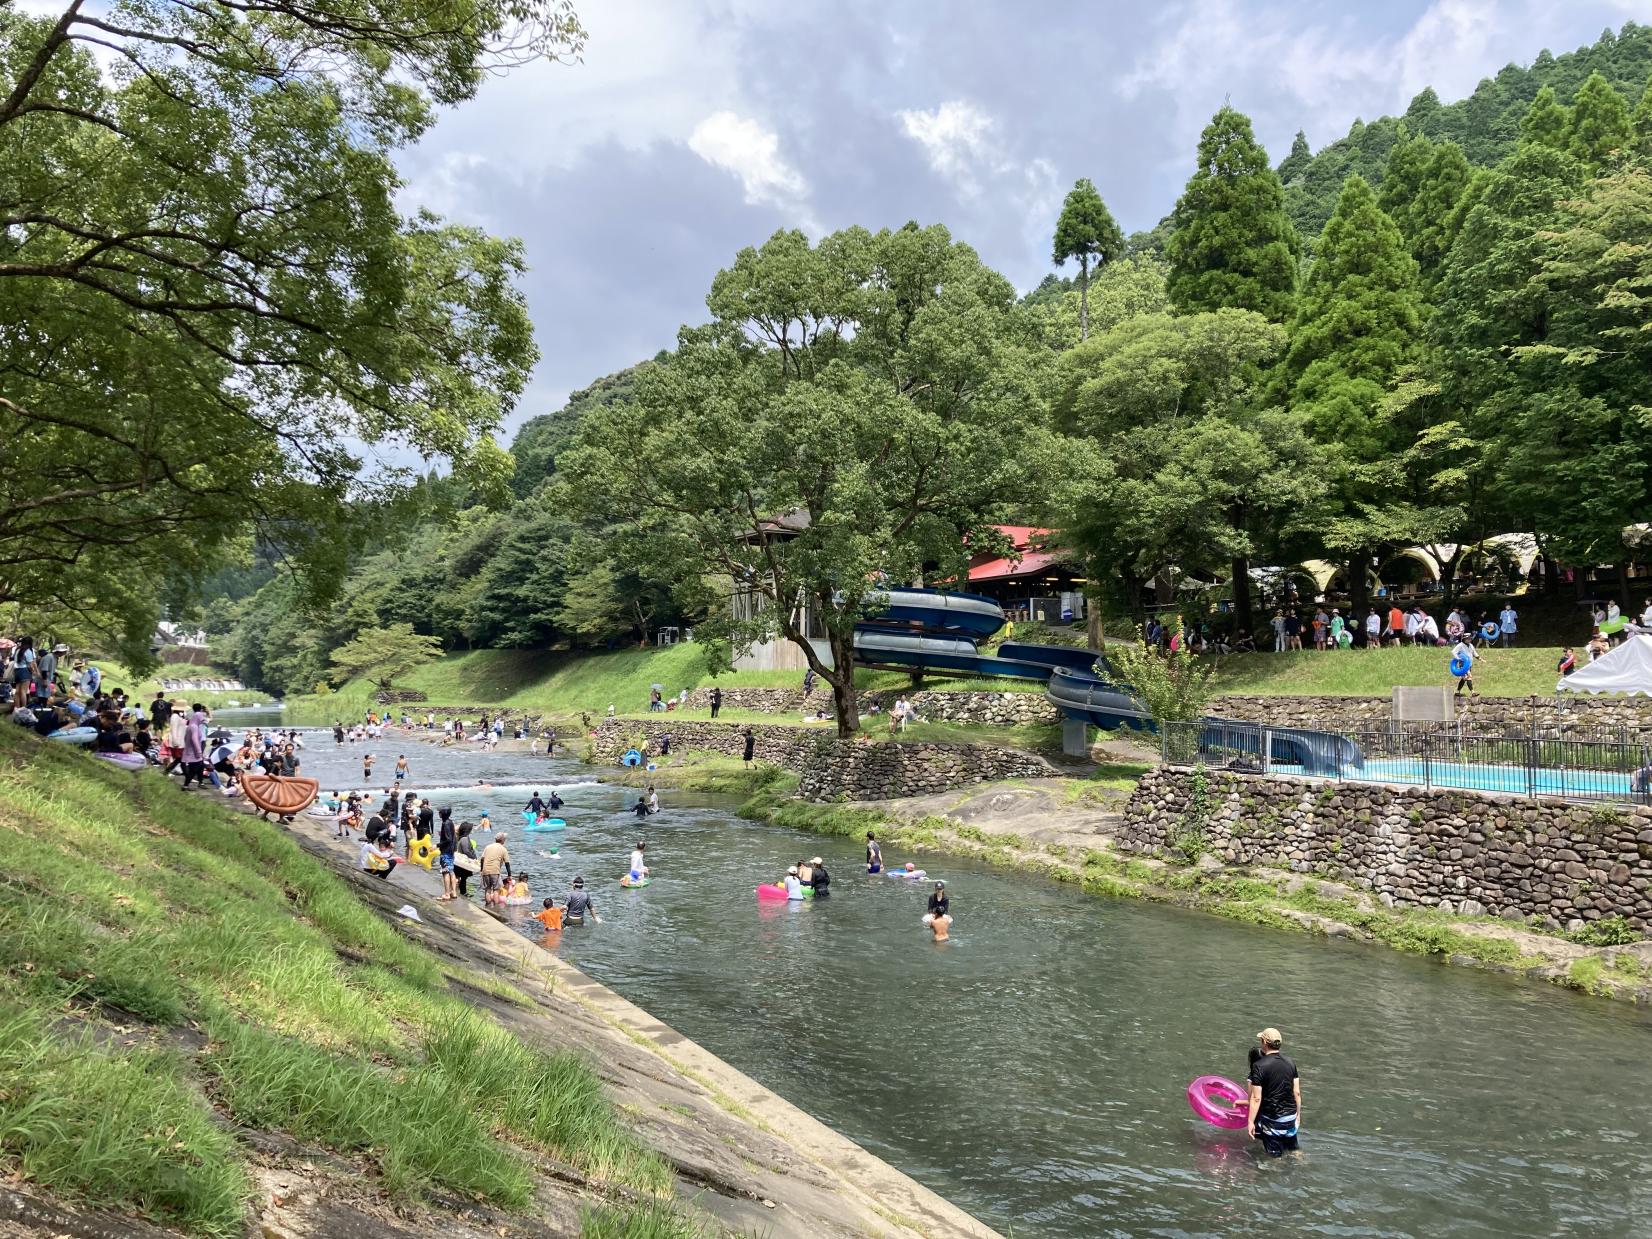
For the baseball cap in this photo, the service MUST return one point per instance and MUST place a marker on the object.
(1270, 1036)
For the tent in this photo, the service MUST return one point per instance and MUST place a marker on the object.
(1626, 669)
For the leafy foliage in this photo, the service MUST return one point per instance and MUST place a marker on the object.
(1086, 231)
(379, 655)
(855, 412)
(1173, 684)
(1233, 246)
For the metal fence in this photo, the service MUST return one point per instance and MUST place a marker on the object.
(1520, 765)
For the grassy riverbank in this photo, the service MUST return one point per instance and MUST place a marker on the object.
(184, 990)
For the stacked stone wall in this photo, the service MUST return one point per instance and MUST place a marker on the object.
(1482, 715)
(1001, 709)
(829, 768)
(1559, 863)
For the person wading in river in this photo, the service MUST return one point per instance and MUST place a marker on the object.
(1275, 1096)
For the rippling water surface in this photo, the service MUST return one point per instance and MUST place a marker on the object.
(1033, 1068)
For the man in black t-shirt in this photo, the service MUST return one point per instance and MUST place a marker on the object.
(1275, 1096)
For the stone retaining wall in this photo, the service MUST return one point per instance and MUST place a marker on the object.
(829, 768)
(1560, 863)
(995, 709)
(1495, 715)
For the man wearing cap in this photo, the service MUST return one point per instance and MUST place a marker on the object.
(1275, 1096)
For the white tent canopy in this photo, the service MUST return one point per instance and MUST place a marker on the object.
(1627, 669)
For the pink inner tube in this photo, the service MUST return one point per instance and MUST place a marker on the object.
(770, 891)
(1219, 1101)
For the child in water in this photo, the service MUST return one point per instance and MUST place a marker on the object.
(550, 916)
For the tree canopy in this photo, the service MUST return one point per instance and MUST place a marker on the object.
(210, 299)
(1233, 246)
(856, 412)
(1086, 231)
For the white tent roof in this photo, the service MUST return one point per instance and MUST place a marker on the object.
(1627, 669)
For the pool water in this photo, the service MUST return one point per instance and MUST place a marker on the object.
(1471, 776)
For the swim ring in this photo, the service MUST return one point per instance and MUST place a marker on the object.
(550, 823)
(631, 758)
(517, 900)
(770, 893)
(1461, 666)
(75, 735)
(423, 852)
(914, 874)
(630, 885)
(1489, 630)
(1219, 1101)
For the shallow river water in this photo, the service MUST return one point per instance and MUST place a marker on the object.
(1033, 1069)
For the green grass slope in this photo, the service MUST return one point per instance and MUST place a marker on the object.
(565, 684)
(1517, 672)
(175, 978)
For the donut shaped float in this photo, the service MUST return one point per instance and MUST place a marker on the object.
(1461, 666)
(1219, 1101)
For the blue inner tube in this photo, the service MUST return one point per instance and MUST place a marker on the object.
(550, 823)
(1460, 666)
(631, 758)
(1489, 630)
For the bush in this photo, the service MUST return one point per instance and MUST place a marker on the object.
(1608, 931)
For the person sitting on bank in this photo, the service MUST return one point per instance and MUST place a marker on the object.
(377, 858)
(1275, 1113)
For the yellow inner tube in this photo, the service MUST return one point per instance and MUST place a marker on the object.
(423, 852)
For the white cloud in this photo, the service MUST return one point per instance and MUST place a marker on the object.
(1321, 75)
(957, 139)
(742, 146)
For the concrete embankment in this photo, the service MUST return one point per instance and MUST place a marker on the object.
(743, 1154)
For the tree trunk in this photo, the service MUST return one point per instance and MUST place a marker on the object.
(1083, 298)
(1241, 593)
(1094, 633)
(1359, 589)
(842, 679)
(1448, 580)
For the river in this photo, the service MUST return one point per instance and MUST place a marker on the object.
(1033, 1069)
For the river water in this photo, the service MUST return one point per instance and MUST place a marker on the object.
(1033, 1069)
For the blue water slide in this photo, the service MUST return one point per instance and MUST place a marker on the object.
(1316, 752)
(888, 647)
(1095, 700)
(1083, 661)
(937, 611)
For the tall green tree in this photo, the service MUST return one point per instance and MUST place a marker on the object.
(1358, 330)
(855, 414)
(1580, 441)
(1233, 246)
(1640, 121)
(1420, 190)
(1598, 127)
(1123, 290)
(212, 301)
(1294, 164)
(1086, 231)
(1546, 122)
(1183, 469)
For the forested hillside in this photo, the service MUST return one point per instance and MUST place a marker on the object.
(1486, 125)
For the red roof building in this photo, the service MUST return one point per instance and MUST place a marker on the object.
(1035, 581)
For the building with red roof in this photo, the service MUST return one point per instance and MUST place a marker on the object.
(1035, 581)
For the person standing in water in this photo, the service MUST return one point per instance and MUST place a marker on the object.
(820, 879)
(938, 902)
(874, 854)
(579, 903)
(1275, 1096)
(535, 806)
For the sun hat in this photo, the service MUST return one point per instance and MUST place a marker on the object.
(817, 861)
(792, 872)
(1270, 1036)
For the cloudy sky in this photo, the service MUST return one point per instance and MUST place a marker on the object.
(695, 127)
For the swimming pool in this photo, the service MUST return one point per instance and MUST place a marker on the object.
(1520, 780)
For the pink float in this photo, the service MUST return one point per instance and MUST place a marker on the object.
(769, 891)
(1219, 1101)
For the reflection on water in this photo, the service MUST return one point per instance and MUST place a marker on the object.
(1033, 1069)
